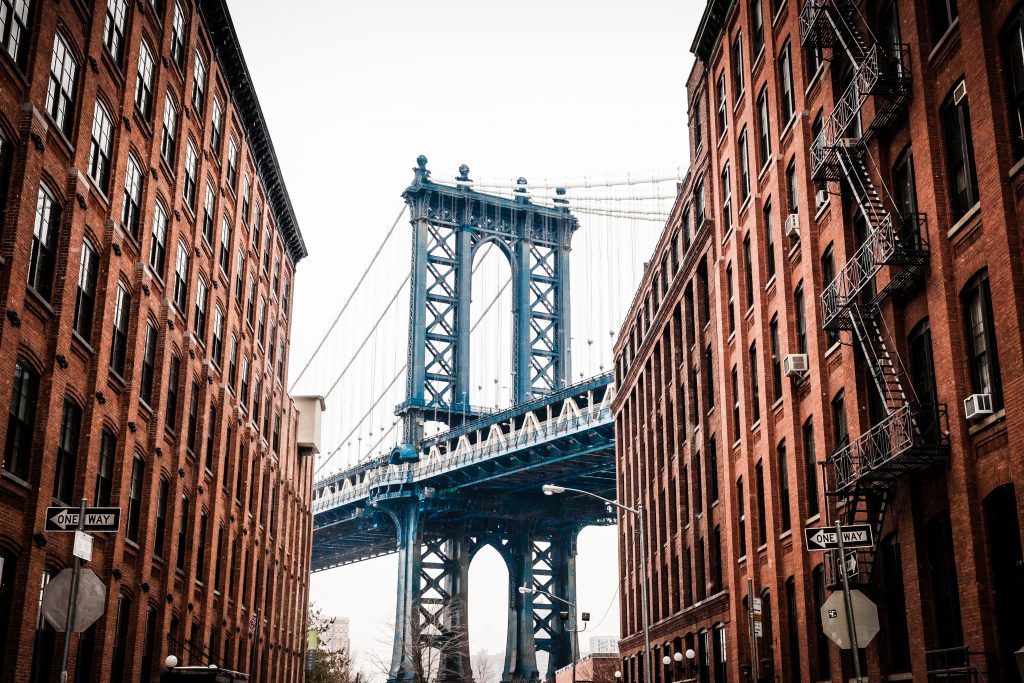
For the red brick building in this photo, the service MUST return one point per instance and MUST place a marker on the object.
(146, 262)
(830, 328)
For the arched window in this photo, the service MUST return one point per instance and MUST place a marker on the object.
(956, 125)
(44, 242)
(21, 419)
(979, 324)
(60, 91)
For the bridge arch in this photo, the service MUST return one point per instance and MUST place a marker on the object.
(492, 325)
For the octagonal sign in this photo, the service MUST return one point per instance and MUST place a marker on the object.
(92, 597)
(865, 617)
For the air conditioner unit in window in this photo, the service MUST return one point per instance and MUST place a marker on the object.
(960, 92)
(795, 364)
(977, 405)
(793, 226)
(820, 198)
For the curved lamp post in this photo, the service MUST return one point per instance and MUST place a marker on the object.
(552, 489)
(573, 629)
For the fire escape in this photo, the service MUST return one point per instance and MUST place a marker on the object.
(893, 253)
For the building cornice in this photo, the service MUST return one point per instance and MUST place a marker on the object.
(710, 28)
(228, 52)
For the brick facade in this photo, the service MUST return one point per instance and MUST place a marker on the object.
(216, 526)
(948, 564)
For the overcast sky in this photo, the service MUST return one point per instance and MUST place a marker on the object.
(354, 91)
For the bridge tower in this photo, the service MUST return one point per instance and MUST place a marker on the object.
(450, 225)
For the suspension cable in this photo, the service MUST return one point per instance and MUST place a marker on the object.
(351, 295)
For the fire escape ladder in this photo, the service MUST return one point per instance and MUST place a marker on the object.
(851, 155)
(881, 364)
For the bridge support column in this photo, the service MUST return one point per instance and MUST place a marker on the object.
(520, 648)
(444, 604)
(555, 573)
(521, 366)
(407, 611)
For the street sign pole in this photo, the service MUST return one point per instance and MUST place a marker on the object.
(753, 637)
(849, 603)
(72, 600)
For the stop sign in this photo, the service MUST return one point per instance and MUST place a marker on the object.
(92, 596)
(834, 623)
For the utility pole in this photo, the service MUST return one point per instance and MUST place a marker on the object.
(72, 599)
(849, 602)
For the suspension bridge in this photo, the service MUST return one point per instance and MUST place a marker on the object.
(446, 416)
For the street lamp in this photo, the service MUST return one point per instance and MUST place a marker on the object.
(574, 644)
(552, 489)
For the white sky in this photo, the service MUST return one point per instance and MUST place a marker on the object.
(354, 91)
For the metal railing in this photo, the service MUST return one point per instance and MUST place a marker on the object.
(957, 664)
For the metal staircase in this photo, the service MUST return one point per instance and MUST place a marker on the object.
(894, 253)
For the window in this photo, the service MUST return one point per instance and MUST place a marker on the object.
(13, 29)
(257, 395)
(840, 435)
(218, 568)
(217, 347)
(735, 405)
(801, 319)
(113, 29)
(773, 328)
(105, 469)
(120, 649)
(723, 112)
(698, 122)
(716, 560)
(277, 432)
(216, 126)
(250, 309)
(741, 518)
(769, 232)
(810, 469)
(211, 435)
(193, 418)
(199, 83)
(119, 342)
(905, 197)
(737, 67)
(148, 641)
(182, 535)
(982, 355)
(963, 179)
(201, 547)
(178, 37)
(148, 365)
(709, 379)
(144, 81)
(67, 451)
(158, 247)
(225, 246)
(895, 603)
(85, 299)
(100, 146)
(60, 92)
(202, 294)
(280, 360)
(942, 13)
(257, 228)
(727, 224)
(786, 85)
(169, 137)
(744, 168)
(246, 192)
(762, 517)
(748, 266)
(792, 630)
(764, 142)
(756, 27)
(261, 333)
(940, 557)
(232, 163)
(783, 477)
(232, 361)
(277, 271)
(698, 204)
(44, 243)
(721, 669)
(713, 470)
(134, 501)
(131, 213)
(173, 379)
(813, 59)
(755, 391)
(828, 274)
(181, 277)
(1012, 40)
(21, 419)
(160, 528)
(266, 248)
(189, 186)
(209, 211)
(243, 389)
(731, 299)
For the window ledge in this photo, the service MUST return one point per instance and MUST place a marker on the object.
(822, 208)
(790, 125)
(1015, 169)
(832, 349)
(964, 220)
(987, 422)
(756, 425)
(731, 338)
(771, 283)
(746, 202)
(815, 79)
(813, 519)
(778, 403)
(15, 479)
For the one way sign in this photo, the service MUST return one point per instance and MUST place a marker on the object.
(96, 519)
(825, 538)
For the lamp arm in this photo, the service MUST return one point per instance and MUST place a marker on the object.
(603, 499)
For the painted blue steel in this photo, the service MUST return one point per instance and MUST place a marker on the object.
(435, 520)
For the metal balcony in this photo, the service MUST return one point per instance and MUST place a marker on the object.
(907, 439)
(816, 29)
(895, 242)
(884, 73)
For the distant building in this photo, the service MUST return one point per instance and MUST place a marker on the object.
(335, 637)
(594, 668)
(604, 645)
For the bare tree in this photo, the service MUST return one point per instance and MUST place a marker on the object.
(329, 666)
(485, 669)
(434, 654)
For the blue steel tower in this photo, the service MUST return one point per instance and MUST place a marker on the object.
(450, 225)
